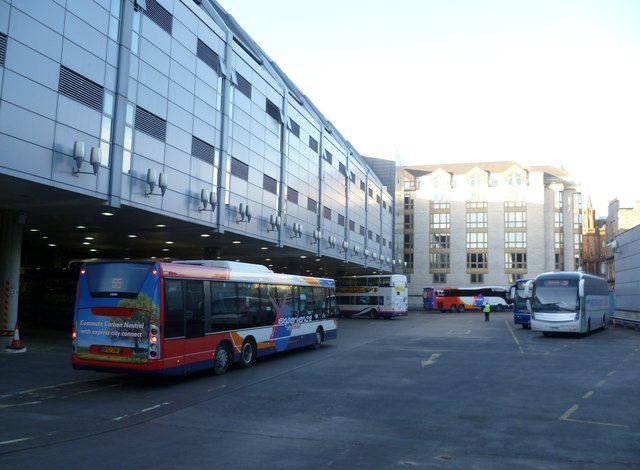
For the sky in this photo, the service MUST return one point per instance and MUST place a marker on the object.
(539, 82)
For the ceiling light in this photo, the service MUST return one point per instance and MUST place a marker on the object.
(89, 238)
(205, 235)
(107, 214)
(169, 242)
(303, 256)
(264, 247)
(51, 244)
(80, 226)
(132, 236)
(236, 242)
(160, 225)
(93, 249)
(34, 230)
(86, 243)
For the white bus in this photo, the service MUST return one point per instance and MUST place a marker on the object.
(374, 296)
(570, 302)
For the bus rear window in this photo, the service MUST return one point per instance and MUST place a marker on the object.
(116, 279)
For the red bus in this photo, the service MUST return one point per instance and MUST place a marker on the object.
(459, 299)
(175, 318)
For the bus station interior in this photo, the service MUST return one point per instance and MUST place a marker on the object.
(60, 229)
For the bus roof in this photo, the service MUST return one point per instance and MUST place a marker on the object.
(567, 275)
(233, 265)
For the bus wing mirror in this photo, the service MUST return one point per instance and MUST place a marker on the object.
(581, 288)
(527, 290)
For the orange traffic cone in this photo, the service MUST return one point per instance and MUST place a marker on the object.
(16, 345)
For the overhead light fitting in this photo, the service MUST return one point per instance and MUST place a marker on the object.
(209, 198)
(244, 213)
(95, 158)
(151, 182)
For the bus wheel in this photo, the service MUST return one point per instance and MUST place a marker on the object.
(460, 308)
(247, 353)
(373, 314)
(222, 359)
(604, 324)
(453, 309)
(317, 342)
(546, 333)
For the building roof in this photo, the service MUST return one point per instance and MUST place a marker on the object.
(492, 167)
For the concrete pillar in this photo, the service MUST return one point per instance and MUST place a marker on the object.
(11, 225)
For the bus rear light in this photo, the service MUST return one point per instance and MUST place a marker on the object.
(154, 343)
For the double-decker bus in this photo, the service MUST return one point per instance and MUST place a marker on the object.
(570, 302)
(373, 296)
(175, 318)
(459, 299)
(521, 313)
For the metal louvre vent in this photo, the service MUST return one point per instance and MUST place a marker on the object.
(156, 13)
(239, 169)
(208, 56)
(150, 124)
(202, 150)
(80, 89)
(3, 48)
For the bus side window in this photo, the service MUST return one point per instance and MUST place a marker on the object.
(318, 302)
(267, 315)
(295, 300)
(224, 306)
(194, 309)
(174, 309)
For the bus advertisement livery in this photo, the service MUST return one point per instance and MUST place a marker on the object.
(521, 313)
(174, 318)
(373, 296)
(459, 299)
(569, 302)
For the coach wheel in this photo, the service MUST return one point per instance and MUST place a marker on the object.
(222, 359)
(453, 309)
(373, 314)
(460, 308)
(499, 308)
(247, 354)
(318, 339)
(604, 324)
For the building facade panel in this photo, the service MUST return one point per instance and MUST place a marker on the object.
(185, 104)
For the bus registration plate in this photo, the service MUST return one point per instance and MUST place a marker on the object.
(110, 350)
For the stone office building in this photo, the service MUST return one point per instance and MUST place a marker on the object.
(488, 224)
